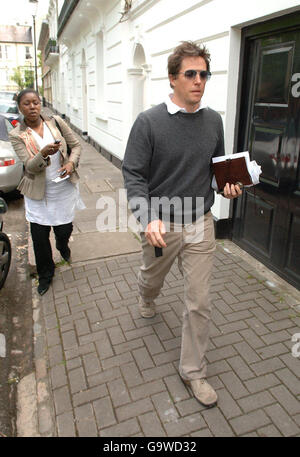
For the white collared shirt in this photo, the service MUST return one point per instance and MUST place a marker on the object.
(173, 108)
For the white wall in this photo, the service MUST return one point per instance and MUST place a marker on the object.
(157, 26)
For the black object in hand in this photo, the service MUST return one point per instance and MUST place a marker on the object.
(63, 173)
(158, 251)
(56, 141)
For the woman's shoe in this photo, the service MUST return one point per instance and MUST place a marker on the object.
(43, 286)
(66, 254)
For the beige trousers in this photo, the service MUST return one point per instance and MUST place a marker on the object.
(194, 245)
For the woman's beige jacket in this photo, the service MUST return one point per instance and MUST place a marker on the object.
(33, 182)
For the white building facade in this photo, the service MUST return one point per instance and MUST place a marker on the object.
(16, 52)
(113, 65)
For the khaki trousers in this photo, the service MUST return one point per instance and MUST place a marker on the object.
(194, 246)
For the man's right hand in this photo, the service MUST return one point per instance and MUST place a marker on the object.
(154, 233)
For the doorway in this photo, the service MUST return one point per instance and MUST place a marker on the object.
(267, 217)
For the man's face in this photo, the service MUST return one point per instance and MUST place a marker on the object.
(188, 92)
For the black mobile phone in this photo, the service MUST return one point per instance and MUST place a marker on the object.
(62, 173)
(56, 141)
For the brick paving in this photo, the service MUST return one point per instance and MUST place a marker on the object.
(102, 370)
(113, 373)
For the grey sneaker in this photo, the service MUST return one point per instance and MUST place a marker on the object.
(147, 310)
(203, 392)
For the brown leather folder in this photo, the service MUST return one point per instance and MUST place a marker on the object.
(231, 171)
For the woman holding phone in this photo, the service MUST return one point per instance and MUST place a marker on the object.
(50, 181)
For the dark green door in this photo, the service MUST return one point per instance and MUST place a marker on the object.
(267, 218)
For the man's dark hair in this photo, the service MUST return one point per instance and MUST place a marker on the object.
(186, 49)
(24, 92)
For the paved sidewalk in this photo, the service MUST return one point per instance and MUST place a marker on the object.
(101, 370)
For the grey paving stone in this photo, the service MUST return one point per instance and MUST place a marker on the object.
(176, 387)
(267, 366)
(273, 351)
(147, 389)
(77, 380)
(69, 340)
(153, 344)
(282, 421)
(246, 352)
(269, 431)
(118, 392)
(131, 375)
(128, 346)
(252, 339)
(85, 421)
(241, 368)
(158, 372)
(116, 361)
(225, 340)
(185, 425)
(292, 363)
(142, 358)
(217, 423)
(234, 385)
(288, 401)
(127, 428)
(58, 376)
(104, 413)
(133, 409)
(62, 400)
(65, 425)
(220, 354)
(166, 357)
(104, 376)
(227, 405)
(151, 425)
(188, 407)
(262, 383)
(55, 355)
(91, 363)
(204, 433)
(165, 407)
(256, 401)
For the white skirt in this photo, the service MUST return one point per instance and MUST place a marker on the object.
(57, 207)
(60, 200)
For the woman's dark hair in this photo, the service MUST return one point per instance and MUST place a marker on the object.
(24, 92)
(186, 49)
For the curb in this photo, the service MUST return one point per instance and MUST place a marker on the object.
(35, 409)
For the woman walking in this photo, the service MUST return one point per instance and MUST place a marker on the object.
(50, 180)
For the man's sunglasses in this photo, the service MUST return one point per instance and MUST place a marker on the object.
(191, 74)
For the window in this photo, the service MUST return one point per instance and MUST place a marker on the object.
(100, 72)
(27, 52)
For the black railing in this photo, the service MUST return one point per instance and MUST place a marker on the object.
(51, 47)
(65, 13)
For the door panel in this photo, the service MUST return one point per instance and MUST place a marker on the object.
(267, 218)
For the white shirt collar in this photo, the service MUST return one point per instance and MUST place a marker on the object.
(173, 108)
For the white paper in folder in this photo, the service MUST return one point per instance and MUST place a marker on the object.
(254, 169)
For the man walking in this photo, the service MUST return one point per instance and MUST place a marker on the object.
(169, 155)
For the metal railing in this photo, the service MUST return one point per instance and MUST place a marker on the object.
(51, 47)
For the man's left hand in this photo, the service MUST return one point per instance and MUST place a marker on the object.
(232, 191)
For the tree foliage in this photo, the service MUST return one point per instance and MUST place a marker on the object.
(23, 78)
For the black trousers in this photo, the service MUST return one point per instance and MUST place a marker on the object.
(42, 246)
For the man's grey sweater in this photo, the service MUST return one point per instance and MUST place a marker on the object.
(170, 155)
